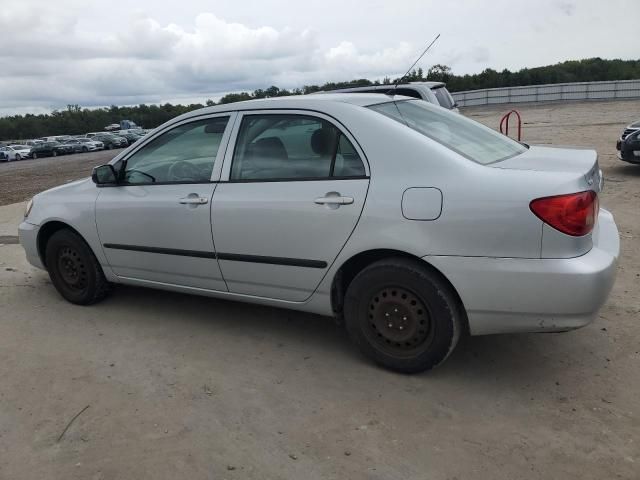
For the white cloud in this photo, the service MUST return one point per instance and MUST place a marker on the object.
(93, 53)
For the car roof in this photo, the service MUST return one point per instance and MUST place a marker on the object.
(304, 102)
(386, 88)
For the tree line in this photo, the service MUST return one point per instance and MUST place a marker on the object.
(77, 120)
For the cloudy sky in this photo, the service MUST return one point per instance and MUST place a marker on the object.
(94, 53)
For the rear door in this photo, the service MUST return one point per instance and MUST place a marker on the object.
(291, 194)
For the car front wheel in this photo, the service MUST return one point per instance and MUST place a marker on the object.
(34, 155)
(18, 157)
(55, 154)
(74, 269)
(402, 315)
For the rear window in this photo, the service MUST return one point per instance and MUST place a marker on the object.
(466, 137)
(444, 97)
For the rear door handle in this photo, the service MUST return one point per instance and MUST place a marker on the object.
(334, 200)
(194, 200)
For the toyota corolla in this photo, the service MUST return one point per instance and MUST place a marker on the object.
(411, 224)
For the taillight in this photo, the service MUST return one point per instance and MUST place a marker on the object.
(574, 214)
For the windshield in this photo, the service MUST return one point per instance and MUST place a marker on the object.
(466, 137)
(444, 97)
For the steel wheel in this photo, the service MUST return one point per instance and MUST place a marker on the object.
(399, 322)
(402, 314)
(72, 268)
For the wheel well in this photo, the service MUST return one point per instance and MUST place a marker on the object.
(45, 233)
(349, 269)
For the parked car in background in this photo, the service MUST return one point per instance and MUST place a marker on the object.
(432, 92)
(628, 145)
(89, 145)
(129, 136)
(50, 149)
(109, 140)
(31, 143)
(14, 152)
(409, 222)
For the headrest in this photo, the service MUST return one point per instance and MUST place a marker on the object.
(323, 141)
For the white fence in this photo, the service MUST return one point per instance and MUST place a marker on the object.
(617, 89)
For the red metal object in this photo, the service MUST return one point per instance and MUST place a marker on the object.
(504, 124)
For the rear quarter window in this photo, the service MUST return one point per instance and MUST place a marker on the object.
(470, 139)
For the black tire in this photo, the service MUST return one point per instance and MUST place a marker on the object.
(85, 149)
(402, 315)
(109, 147)
(74, 269)
(54, 153)
(18, 157)
(34, 155)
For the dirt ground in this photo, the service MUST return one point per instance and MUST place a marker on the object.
(21, 180)
(188, 387)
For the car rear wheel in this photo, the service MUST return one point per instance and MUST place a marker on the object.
(402, 315)
(55, 154)
(109, 147)
(74, 269)
(34, 155)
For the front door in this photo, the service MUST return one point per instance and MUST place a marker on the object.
(155, 224)
(288, 202)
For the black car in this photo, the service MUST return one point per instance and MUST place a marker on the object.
(628, 145)
(50, 149)
(110, 141)
(130, 137)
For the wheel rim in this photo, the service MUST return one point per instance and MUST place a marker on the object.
(399, 322)
(72, 269)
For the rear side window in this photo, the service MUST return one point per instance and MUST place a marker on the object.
(444, 97)
(289, 147)
(466, 137)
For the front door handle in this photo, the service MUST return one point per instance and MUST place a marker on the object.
(338, 200)
(194, 200)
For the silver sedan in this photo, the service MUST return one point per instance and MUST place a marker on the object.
(409, 223)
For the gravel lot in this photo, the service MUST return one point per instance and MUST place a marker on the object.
(21, 180)
(188, 387)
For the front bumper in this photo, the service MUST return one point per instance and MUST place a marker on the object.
(28, 234)
(510, 295)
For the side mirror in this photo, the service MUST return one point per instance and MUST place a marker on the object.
(104, 175)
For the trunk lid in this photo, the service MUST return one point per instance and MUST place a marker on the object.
(580, 161)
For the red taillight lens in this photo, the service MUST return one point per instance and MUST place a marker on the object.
(574, 214)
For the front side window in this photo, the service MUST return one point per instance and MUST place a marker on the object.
(281, 147)
(184, 154)
(466, 137)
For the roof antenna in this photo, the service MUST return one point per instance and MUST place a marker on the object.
(395, 86)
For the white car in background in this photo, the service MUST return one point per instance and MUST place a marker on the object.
(14, 152)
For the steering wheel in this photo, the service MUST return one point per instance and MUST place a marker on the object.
(181, 171)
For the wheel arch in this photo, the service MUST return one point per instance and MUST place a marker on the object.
(355, 264)
(47, 230)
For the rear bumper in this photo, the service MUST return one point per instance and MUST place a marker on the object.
(28, 234)
(509, 295)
